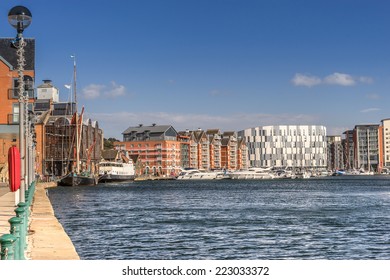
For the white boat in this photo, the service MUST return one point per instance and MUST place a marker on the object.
(302, 174)
(196, 174)
(116, 171)
(253, 173)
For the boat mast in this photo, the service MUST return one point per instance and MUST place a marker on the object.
(77, 117)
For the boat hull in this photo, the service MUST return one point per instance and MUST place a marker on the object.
(72, 180)
(107, 178)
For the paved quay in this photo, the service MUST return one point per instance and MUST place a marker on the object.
(47, 238)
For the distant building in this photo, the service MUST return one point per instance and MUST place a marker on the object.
(157, 147)
(335, 153)
(215, 144)
(348, 150)
(386, 144)
(366, 147)
(48, 91)
(229, 150)
(301, 146)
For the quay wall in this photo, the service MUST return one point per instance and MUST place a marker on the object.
(47, 238)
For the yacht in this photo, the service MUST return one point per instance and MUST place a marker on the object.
(196, 174)
(110, 171)
(253, 173)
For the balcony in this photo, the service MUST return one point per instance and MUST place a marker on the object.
(13, 93)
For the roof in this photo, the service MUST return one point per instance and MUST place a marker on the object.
(8, 53)
(151, 129)
(213, 131)
(109, 155)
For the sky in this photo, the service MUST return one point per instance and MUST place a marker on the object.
(227, 64)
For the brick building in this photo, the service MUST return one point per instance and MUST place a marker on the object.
(9, 109)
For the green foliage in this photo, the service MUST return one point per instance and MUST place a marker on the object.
(109, 143)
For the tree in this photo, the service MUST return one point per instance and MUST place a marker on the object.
(109, 143)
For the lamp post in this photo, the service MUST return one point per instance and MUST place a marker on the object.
(20, 18)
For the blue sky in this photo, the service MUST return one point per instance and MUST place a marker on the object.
(228, 64)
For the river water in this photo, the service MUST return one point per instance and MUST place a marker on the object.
(331, 218)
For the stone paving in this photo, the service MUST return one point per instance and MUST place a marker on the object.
(47, 239)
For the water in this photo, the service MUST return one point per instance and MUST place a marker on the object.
(331, 218)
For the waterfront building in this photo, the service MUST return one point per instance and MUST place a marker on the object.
(242, 154)
(385, 144)
(335, 153)
(55, 128)
(348, 146)
(229, 150)
(9, 109)
(367, 147)
(215, 143)
(201, 146)
(184, 139)
(296, 146)
(157, 147)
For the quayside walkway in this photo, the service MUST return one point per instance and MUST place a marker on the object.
(47, 239)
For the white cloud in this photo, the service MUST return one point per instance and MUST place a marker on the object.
(369, 110)
(94, 91)
(340, 79)
(305, 80)
(336, 78)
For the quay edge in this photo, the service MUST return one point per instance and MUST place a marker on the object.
(47, 238)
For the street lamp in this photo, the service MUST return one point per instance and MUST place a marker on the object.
(20, 18)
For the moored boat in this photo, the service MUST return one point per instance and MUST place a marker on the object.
(196, 174)
(253, 173)
(116, 171)
(73, 179)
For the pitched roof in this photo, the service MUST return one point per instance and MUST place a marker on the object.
(151, 129)
(8, 53)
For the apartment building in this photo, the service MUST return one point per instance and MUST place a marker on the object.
(229, 150)
(157, 147)
(214, 136)
(385, 125)
(242, 154)
(302, 146)
(335, 153)
(366, 140)
(348, 146)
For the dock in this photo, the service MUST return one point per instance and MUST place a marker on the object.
(47, 239)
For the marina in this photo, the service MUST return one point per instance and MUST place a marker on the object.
(328, 218)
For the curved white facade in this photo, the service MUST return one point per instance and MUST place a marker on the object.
(286, 146)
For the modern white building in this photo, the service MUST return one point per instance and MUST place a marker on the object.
(296, 146)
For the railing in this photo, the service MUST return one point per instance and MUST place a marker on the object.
(14, 244)
(14, 94)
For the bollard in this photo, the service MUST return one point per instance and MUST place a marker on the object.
(16, 224)
(25, 206)
(21, 213)
(7, 246)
